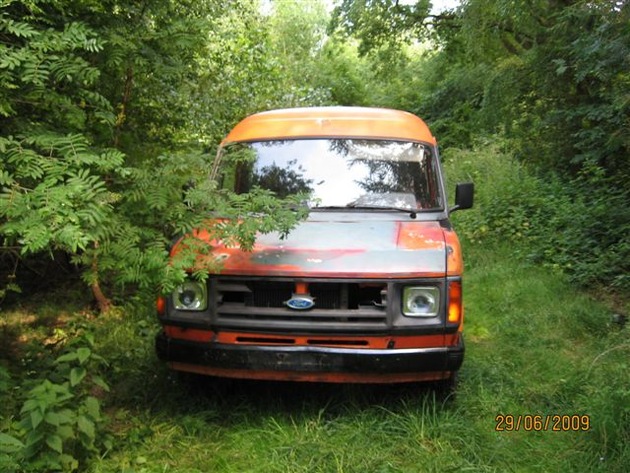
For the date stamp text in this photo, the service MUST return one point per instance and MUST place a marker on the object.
(542, 423)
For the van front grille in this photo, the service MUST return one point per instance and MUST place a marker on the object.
(258, 304)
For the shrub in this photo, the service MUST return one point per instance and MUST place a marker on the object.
(60, 421)
(578, 226)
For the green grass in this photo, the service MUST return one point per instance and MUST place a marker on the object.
(534, 346)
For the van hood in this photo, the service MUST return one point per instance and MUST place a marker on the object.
(349, 249)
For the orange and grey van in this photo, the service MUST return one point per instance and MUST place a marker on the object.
(367, 289)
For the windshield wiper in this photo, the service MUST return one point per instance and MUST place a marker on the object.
(412, 213)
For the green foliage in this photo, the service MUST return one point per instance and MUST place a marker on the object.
(60, 421)
(550, 76)
(43, 72)
(157, 63)
(553, 223)
(170, 200)
(342, 73)
(106, 122)
(550, 80)
(381, 23)
(297, 36)
(53, 196)
(238, 75)
(9, 444)
(589, 51)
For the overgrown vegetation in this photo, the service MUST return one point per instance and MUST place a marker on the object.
(110, 114)
(549, 81)
(103, 158)
(60, 422)
(553, 224)
(535, 346)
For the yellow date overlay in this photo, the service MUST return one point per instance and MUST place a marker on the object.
(542, 422)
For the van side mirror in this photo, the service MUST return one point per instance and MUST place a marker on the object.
(464, 196)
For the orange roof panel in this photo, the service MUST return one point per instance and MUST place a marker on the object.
(331, 122)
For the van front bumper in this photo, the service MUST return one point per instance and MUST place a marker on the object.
(304, 363)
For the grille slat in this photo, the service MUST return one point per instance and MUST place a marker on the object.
(260, 304)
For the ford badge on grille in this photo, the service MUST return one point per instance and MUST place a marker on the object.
(300, 302)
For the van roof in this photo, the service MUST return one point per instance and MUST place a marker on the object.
(331, 122)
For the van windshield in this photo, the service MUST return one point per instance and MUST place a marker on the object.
(333, 173)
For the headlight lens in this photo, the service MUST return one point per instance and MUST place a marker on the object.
(421, 301)
(192, 295)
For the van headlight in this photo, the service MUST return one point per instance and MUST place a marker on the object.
(192, 295)
(421, 301)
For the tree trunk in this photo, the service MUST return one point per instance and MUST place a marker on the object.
(104, 304)
(123, 106)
